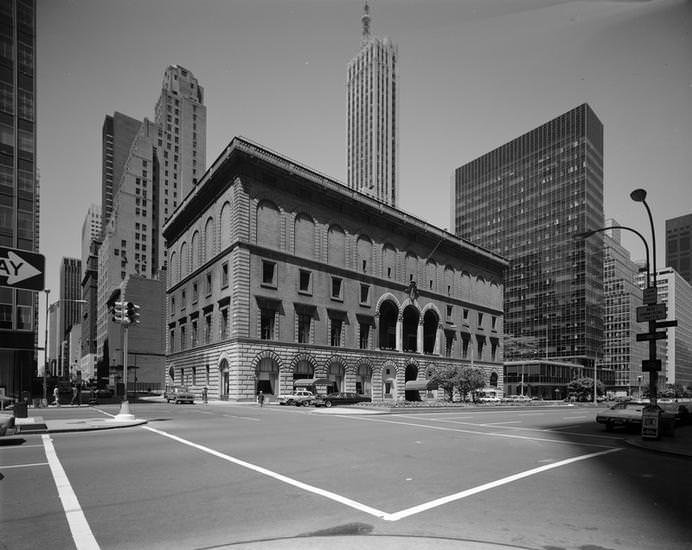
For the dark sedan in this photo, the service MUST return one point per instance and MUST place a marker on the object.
(340, 398)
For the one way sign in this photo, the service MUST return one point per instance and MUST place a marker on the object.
(22, 269)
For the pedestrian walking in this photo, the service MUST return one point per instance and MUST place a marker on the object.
(260, 399)
(56, 396)
(77, 394)
(204, 395)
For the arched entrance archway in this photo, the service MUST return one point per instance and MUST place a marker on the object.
(335, 374)
(430, 324)
(411, 373)
(364, 380)
(410, 329)
(224, 379)
(387, 325)
(267, 376)
(303, 369)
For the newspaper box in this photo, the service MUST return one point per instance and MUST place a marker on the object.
(651, 423)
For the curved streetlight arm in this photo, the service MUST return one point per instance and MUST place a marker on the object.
(587, 234)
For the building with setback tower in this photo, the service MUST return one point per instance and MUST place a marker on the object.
(373, 118)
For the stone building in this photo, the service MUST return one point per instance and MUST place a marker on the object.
(277, 274)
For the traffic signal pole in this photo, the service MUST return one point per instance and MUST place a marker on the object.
(124, 413)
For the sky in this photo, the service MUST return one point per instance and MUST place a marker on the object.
(473, 75)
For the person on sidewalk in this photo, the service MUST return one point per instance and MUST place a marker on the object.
(260, 399)
(56, 396)
(204, 395)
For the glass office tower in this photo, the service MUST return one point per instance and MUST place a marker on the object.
(19, 204)
(525, 201)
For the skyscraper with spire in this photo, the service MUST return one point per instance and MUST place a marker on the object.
(373, 117)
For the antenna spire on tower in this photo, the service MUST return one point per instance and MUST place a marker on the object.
(365, 19)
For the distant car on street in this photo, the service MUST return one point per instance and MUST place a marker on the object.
(628, 414)
(297, 398)
(340, 398)
(178, 394)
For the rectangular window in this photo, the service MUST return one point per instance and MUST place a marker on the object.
(364, 336)
(195, 293)
(305, 282)
(449, 343)
(450, 311)
(225, 333)
(207, 328)
(207, 285)
(268, 274)
(493, 323)
(304, 323)
(171, 340)
(267, 323)
(364, 295)
(224, 275)
(182, 337)
(480, 320)
(337, 288)
(194, 333)
(335, 332)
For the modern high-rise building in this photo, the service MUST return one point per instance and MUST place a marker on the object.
(525, 201)
(622, 354)
(91, 241)
(70, 306)
(118, 132)
(679, 245)
(19, 193)
(373, 117)
(676, 293)
(91, 231)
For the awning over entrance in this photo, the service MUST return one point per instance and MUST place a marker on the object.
(419, 385)
(304, 382)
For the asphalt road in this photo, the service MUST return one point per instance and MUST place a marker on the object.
(208, 476)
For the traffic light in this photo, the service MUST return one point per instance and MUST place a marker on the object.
(132, 313)
(118, 312)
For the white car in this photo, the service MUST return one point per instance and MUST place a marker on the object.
(297, 398)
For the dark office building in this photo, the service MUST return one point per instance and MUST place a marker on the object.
(118, 133)
(679, 245)
(525, 201)
(19, 205)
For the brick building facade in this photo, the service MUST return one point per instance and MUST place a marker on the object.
(277, 273)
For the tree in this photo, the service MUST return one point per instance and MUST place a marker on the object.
(445, 377)
(470, 380)
(582, 388)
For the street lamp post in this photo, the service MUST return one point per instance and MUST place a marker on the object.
(44, 402)
(587, 234)
(639, 195)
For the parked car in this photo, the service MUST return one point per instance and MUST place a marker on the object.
(340, 398)
(178, 394)
(297, 398)
(628, 414)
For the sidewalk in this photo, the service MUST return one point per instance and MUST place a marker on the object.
(679, 444)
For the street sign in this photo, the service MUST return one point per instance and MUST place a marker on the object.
(644, 336)
(667, 324)
(652, 312)
(650, 295)
(22, 269)
(649, 365)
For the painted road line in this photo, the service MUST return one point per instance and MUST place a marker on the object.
(81, 532)
(476, 432)
(501, 423)
(24, 465)
(492, 485)
(240, 417)
(279, 477)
